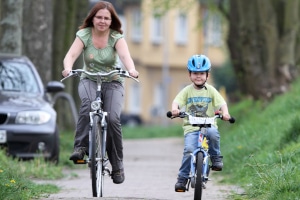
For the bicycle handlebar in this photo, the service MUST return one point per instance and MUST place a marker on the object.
(185, 114)
(119, 71)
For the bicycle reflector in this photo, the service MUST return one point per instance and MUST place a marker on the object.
(95, 105)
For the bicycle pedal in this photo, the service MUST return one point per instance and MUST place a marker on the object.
(215, 168)
(79, 161)
(180, 190)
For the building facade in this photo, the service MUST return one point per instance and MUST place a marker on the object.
(161, 42)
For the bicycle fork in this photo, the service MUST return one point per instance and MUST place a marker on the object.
(105, 160)
(205, 162)
(205, 168)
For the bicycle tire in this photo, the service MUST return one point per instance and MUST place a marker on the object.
(199, 177)
(97, 158)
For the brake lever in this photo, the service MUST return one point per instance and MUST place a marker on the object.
(71, 74)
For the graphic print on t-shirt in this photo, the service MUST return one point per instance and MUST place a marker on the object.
(198, 106)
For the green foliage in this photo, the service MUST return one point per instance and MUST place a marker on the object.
(292, 134)
(225, 76)
(161, 7)
(152, 132)
(66, 148)
(261, 151)
(15, 179)
(277, 179)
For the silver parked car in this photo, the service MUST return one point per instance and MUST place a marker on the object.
(28, 127)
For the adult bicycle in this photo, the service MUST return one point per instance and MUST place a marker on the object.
(97, 159)
(200, 162)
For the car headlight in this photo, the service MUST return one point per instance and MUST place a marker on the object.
(32, 117)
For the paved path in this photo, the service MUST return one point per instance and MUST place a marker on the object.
(151, 168)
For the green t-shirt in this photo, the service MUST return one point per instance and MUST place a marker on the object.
(199, 103)
(100, 60)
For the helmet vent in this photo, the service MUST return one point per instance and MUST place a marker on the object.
(203, 63)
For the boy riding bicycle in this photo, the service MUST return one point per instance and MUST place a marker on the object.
(201, 100)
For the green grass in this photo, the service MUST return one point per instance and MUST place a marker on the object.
(261, 153)
(16, 178)
(152, 132)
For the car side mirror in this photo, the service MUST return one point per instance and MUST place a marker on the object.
(55, 86)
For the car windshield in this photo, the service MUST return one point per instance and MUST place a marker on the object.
(17, 76)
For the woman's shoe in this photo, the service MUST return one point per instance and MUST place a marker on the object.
(78, 154)
(118, 176)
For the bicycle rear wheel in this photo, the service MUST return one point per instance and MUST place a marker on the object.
(199, 177)
(97, 158)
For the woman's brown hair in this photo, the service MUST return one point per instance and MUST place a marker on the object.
(115, 21)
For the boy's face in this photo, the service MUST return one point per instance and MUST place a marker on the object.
(198, 78)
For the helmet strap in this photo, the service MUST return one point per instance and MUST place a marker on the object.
(200, 86)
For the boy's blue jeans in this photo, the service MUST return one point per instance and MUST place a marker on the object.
(190, 145)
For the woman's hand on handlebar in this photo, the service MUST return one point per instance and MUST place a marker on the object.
(66, 72)
(133, 73)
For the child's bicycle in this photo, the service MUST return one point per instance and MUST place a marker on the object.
(200, 166)
(97, 158)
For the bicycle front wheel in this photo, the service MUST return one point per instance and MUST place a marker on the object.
(97, 158)
(199, 177)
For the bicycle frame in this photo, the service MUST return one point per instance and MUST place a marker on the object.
(200, 149)
(97, 158)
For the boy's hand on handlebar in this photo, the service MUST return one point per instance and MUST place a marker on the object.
(175, 112)
(226, 117)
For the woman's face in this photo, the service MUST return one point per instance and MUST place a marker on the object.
(102, 20)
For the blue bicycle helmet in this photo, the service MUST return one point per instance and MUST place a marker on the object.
(198, 63)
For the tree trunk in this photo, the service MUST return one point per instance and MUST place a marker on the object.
(262, 42)
(68, 16)
(37, 35)
(10, 26)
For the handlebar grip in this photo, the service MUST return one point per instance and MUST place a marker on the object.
(232, 120)
(181, 115)
(169, 114)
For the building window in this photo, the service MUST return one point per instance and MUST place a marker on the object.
(181, 29)
(157, 106)
(156, 30)
(212, 29)
(134, 99)
(136, 16)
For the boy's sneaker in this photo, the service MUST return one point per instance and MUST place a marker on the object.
(78, 154)
(118, 176)
(180, 186)
(217, 163)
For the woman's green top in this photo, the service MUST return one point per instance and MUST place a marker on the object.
(100, 60)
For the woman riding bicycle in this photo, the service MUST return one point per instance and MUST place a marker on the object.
(101, 40)
(201, 100)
